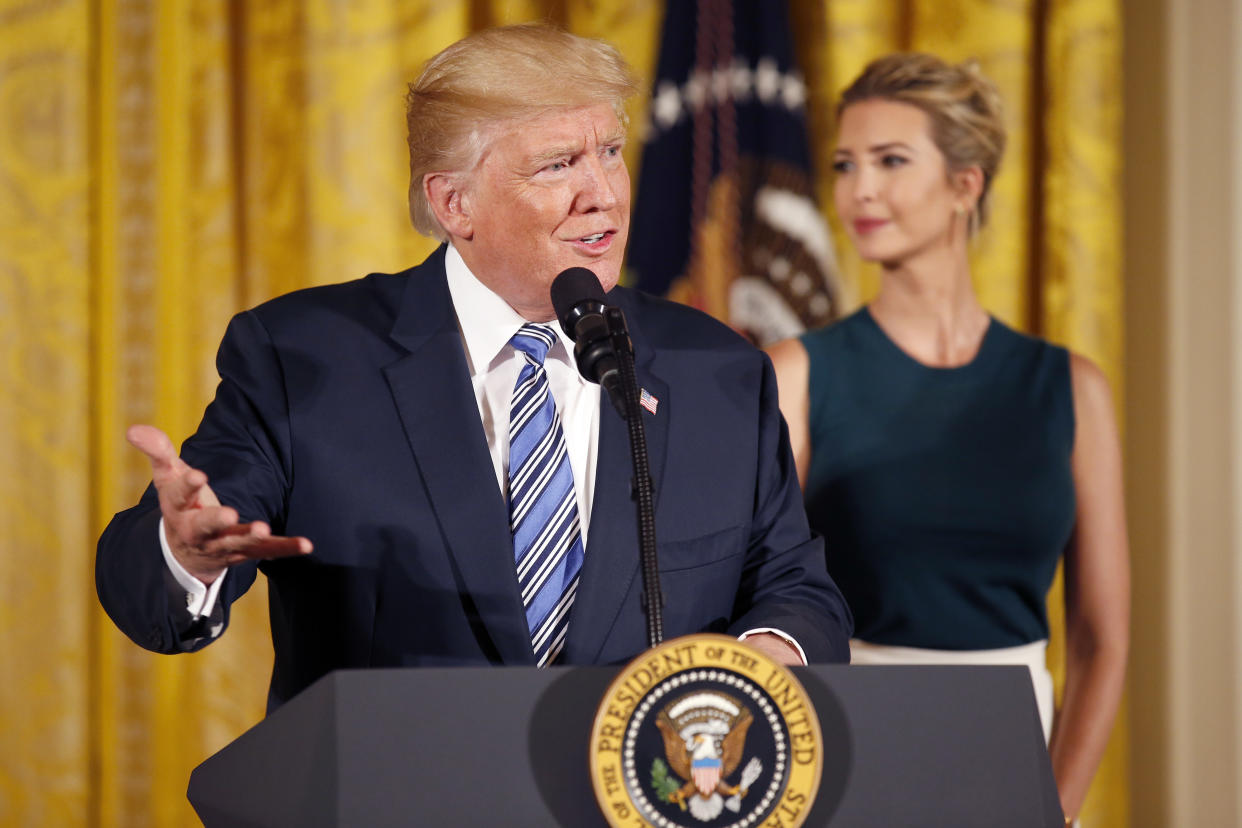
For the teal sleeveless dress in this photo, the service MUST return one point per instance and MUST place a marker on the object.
(944, 495)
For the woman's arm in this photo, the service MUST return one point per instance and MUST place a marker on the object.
(1097, 592)
(793, 370)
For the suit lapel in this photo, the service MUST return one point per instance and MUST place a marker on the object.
(431, 388)
(610, 568)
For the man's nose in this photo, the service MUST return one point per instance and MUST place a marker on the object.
(595, 190)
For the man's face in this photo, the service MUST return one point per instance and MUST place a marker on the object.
(549, 193)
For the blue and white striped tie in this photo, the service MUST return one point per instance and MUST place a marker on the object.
(543, 508)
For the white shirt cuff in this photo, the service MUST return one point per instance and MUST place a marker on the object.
(200, 599)
(783, 636)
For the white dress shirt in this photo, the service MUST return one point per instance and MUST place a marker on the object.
(487, 323)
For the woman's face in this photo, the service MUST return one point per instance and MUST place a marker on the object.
(893, 191)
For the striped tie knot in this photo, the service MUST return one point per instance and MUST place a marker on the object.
(534, 341)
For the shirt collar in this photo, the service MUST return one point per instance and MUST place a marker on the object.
(487, 322)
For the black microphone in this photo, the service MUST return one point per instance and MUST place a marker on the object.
(605, 354)
(596, 329)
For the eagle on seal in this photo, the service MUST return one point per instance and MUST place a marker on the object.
(699, 763)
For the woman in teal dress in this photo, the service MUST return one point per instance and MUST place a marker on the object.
(949, 461)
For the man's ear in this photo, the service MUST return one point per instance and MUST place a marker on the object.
(444, 192)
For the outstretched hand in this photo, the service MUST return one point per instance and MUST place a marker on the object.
(205, 537)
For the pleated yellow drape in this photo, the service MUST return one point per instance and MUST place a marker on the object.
(45, 510)
(164, 164)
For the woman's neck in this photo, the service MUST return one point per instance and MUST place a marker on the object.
(929, 308)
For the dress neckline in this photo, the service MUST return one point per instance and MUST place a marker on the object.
(983, 356)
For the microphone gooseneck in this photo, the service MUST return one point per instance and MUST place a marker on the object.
(605, 354)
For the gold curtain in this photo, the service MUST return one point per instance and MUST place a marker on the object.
(164, 163)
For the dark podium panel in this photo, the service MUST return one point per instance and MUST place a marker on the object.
(903, 746)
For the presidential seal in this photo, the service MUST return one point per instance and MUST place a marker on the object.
(705, 731)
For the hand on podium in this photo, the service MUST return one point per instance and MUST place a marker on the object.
(775, 648)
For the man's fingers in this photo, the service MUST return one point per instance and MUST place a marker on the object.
(254, 541)
(276, 546)
(230, 543)
(204, 525)
(236, 530)
(154, 444)
(187, 490)
(180, 486)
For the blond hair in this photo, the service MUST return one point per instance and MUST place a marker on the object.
(495, 76)
(963, 106)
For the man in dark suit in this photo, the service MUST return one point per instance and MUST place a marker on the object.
(385, 450)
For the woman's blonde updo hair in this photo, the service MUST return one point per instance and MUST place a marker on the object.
(962, 104)
(496, 76)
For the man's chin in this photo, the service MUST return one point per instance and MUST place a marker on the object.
(608, 273)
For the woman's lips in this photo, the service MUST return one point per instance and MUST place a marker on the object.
(868, 225)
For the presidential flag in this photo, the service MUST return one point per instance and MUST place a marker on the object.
(725, 216)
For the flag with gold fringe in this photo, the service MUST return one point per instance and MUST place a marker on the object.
(725, 217)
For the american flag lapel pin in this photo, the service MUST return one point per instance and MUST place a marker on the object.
(647, 401)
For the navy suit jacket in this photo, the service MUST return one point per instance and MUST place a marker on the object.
(345, 413)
